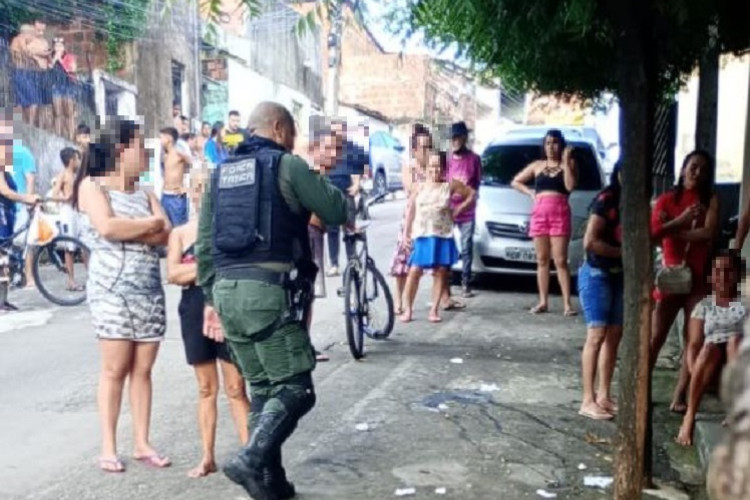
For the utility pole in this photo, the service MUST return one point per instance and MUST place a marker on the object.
(334, 56)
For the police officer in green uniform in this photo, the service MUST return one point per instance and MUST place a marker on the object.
(255, 267)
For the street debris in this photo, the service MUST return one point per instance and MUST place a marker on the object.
(405, 492)
(602, 482)
(592, 438)
(443, 407)
(441, 491)
(364, 427)
(546, 494)
(433, 401)
(457, 361)
(489, 388)
(582, 467)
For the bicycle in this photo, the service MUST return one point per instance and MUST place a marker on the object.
(363, 285)
(48, 264)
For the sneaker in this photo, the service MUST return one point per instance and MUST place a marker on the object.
(333, 272)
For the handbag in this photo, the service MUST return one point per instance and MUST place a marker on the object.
(676, 280)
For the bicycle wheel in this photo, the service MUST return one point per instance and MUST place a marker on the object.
(60, 270)
(353, 312)
(379, 318)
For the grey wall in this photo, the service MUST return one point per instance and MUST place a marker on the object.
(45, 148)
(168, 38)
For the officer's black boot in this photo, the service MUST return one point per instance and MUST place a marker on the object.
(247, 469)
(275, 477)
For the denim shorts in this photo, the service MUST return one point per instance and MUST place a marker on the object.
(601, 295)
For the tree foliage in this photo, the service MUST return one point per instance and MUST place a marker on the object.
(569, 45)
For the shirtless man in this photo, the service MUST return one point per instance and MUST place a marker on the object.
(62, 192)
(174, 167)
(40, 51)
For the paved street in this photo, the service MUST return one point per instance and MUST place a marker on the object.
(501, 424)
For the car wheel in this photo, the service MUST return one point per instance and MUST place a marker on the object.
(380, 186)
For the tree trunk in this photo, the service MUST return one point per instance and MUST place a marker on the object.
(707, 117)
(637, 100)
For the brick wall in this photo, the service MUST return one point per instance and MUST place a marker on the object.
(90, 48)
(404, 88)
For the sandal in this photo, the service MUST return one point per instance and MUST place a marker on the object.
(156, 461)
(434, 319)
(75, 288)
(570, 313)
(454, 305)
(595, 415)
(538, 309)
(111, 465)
(320, 357)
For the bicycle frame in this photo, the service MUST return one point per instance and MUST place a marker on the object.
(14, 254)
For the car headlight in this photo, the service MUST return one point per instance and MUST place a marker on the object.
(579, 228)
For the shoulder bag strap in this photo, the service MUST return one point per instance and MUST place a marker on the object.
(687, 246)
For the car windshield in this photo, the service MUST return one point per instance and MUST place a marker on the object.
(500, 164)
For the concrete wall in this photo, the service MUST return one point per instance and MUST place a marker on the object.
(278, 53)
(45, 148)
(172, 37)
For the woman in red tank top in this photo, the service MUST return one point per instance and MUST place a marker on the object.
(683, 223)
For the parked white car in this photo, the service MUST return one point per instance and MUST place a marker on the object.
(501, 241)
(386, 162)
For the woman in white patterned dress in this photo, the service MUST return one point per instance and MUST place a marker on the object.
(720, 318)
(122, 225)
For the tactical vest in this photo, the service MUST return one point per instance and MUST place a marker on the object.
(252, 223)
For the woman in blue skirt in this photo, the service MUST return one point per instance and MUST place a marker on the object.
(429, 226)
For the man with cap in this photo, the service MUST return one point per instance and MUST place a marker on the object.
(464, 165)
(256, 270)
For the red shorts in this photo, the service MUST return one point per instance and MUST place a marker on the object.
(550, 217)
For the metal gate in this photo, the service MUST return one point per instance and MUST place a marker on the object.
(665, 138)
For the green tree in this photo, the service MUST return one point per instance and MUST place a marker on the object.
(641, 51)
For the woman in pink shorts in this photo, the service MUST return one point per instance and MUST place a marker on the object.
(554, 178)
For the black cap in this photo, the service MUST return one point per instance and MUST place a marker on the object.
(459, 129)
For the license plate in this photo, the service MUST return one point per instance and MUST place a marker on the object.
(520, 254)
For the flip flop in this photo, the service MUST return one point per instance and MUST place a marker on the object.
(117, 467)
(571, 313)
(538, 309)
(156, 461)
(75, 288)
(596, 416)
(454, 305)
(321, 358)
(435, 319)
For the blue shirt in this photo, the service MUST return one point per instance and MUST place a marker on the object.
(23, 164)
(214, 152)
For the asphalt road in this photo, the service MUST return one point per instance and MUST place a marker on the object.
(483, 405)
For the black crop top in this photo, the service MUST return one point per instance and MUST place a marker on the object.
(554, 183)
